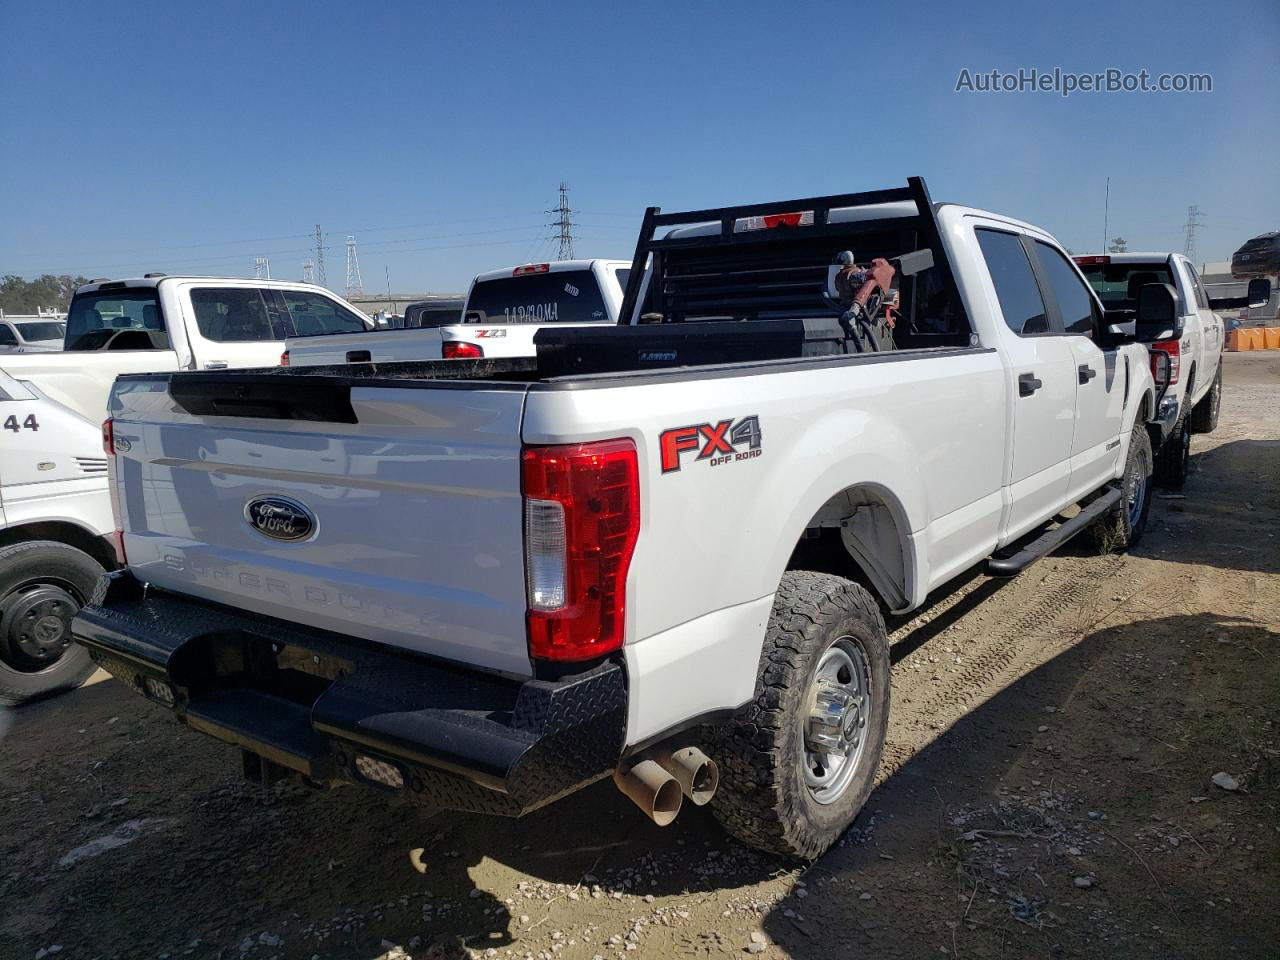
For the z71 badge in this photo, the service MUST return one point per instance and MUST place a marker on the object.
(716, 443)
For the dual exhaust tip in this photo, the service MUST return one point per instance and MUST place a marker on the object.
(659, 782)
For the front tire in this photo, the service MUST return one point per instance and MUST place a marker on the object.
(1123, 526)
(1204, 418)
(43, 584)
(798, 763)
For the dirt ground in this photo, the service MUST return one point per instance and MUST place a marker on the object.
(1047, 792)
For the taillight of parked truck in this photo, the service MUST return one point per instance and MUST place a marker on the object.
(453, 350)
(582, 518)
(1173, 350)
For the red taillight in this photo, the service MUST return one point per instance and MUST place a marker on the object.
(454, 350)
(529, 268)
(284, 359)
(1091, 261)
(582, 517)
(1173, 349)
(109, 437)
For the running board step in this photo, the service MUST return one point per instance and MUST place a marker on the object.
(1049, 541)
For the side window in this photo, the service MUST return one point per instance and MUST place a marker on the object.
(7, 336)
(236, 315)
(1015, 283)
(1202, 301)
(315, 314)
(1075, 300)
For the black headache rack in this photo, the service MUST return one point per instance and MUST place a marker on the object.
(766, 261)
(331, 709)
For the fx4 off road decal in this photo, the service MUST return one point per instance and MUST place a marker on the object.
(725, 442)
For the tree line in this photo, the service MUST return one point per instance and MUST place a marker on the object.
(19, 295)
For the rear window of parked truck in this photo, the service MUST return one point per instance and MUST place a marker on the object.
(570, 296)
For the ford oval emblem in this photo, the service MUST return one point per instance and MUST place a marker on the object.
(280, 518)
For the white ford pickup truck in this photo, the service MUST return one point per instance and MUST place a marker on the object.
(55, 509)
(1194, 348)
(656, 551)
(504, 311)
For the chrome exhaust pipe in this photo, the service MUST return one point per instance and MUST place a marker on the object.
(696, 773)
(652, 789)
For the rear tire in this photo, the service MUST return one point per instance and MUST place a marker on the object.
(1174, 458)
(1204, 418)
(1123, 526)
(43, 584)
(824, 673)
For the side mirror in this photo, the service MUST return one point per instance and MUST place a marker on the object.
(1259, 295)
(1157, 315)
(1259, 292)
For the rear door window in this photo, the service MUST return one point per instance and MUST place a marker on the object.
(1075, 303)
(1015, 283)
(568, 296)
(237, 315)
(314, 314)
(7, 336)
(116, 320)
(45, 330)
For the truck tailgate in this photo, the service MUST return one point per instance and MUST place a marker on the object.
(384, 512)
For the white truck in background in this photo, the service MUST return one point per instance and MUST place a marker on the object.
(30, 334)
(503, 311)
(1193, 350)
(55, 509)
(658, 550)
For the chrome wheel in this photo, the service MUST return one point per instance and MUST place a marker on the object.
(835, 727)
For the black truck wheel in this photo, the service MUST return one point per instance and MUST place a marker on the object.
(1204, 418)
(1174, 457)
(797, 764)
(1123, 526)
(43, 584)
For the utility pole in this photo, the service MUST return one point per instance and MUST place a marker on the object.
(308, 271)
(261, 268)
(387, 271)
(1106, 212)
(355, 286)
(320, 277)
(1194, 217)
(563, 224)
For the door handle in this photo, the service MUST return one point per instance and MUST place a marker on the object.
(1028, 383)
(216, 365)
(359, 356)
(1087, 373)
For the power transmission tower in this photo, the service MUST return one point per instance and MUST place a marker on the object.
(1193, 220)
(320, 277)
(261, 268)
(563, 225)
(308, 271)
(355, 285)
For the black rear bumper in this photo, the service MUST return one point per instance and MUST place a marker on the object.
(331, 708)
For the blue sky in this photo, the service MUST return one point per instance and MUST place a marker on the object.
(192, 137)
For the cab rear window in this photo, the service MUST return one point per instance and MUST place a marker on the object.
(116, 320)
(1117, 284)
(570, 296)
